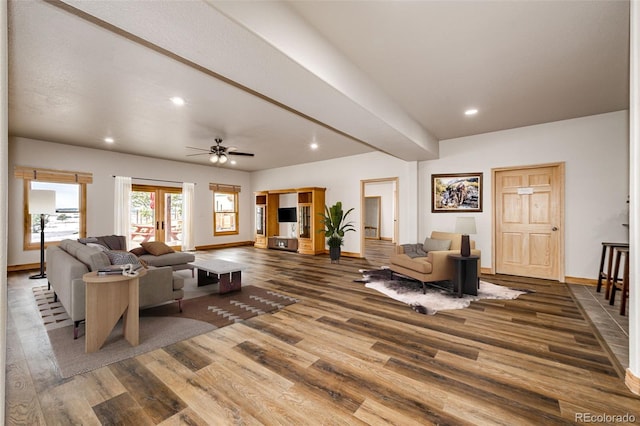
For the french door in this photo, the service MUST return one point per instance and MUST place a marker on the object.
(156, 215)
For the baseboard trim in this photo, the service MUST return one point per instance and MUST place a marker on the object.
(632, 381)
(581, 281)
(25, 267)
(348, 254)
(225, 245)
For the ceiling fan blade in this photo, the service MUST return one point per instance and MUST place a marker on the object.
(199, 149)
(200, 153)
(246, 154)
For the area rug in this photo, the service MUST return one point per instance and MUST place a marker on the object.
(159, 326)
(435, 299)
(224, 309)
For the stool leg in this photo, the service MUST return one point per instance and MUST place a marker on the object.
(614, 279)
(609, 276)
(601, 270)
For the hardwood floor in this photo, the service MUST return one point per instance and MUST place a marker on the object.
(343, 355)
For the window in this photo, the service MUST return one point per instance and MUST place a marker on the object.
(225, 209)
(69, 222)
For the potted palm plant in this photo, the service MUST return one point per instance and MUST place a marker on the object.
(335, 226)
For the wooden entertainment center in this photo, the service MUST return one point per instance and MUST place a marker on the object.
(310, 207)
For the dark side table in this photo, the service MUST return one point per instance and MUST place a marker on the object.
(465, 280)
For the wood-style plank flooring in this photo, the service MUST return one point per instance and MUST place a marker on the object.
(343, 355)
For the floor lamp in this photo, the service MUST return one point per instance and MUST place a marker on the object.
(41, 202)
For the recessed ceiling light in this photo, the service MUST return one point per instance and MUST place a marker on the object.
(233, 162)
(109, 140)
(314, 145)
(177, 101)
(471, 111)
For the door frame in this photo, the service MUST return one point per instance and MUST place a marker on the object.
(159, 209)
(561, 239)
(396, 205)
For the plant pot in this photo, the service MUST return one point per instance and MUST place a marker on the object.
(334, 254)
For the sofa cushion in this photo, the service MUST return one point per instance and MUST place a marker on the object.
(418, 264)
(93, 258)
(169, 259)
(113, 242)
(157, 248)
(432, 244)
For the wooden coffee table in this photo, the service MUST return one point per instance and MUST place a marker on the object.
(108, 298)
(227, 274)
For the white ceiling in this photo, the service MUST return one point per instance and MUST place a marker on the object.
(271, 77)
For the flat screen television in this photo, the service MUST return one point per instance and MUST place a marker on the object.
(287, 214)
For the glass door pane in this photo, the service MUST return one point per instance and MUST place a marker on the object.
(143, 217)
(173, 219)
(304, 221)
(260, 220)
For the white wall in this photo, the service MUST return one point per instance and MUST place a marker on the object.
(342, 179)
(104, 165)
(596, 154)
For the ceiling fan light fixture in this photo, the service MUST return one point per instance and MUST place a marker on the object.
(223, 158)
(214, 158)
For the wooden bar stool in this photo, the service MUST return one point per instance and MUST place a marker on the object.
(607, 276)
(624, 285)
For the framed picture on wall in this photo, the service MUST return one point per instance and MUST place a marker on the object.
(456, 192)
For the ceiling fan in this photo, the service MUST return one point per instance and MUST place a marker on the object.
(219, 154)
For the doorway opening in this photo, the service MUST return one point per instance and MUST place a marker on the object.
(379, 217)
(156, 215)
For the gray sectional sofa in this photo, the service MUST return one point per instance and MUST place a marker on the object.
(70, 260)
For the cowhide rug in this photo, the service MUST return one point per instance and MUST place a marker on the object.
(436, 299)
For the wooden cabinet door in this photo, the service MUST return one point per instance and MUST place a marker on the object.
(529, 211)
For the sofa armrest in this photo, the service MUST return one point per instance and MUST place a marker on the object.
(442, 265)
(399, 249)
(156, 286)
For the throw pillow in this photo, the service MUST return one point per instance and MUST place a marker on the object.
(118, 257)
(414, 250)
(431, 244)
(97, 246)
(157, 248)
(88, 240)
(138, 251)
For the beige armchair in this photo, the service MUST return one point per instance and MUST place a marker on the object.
(432, 266)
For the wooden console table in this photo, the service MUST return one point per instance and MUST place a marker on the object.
(108, 298)
(283, 243)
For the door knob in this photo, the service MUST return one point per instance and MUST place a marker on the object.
(555, 228)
